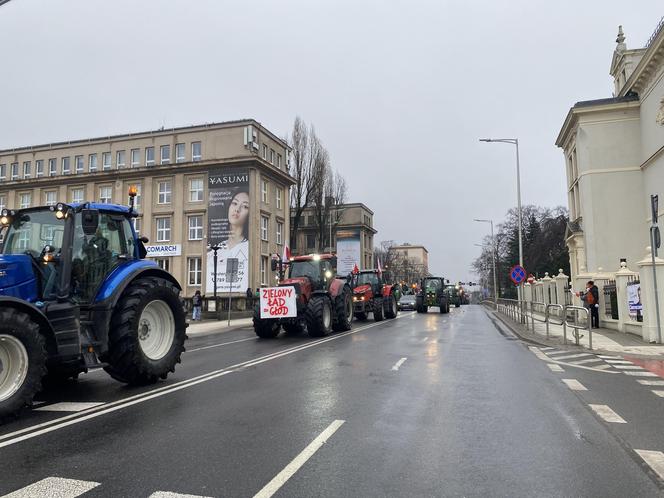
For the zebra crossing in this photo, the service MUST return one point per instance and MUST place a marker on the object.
(583, 360)
(71, 488)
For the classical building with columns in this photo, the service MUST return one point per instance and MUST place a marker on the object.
(614, 156)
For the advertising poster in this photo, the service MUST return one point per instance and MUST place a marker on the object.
(634, 299)
(228, 228)
(349, 251)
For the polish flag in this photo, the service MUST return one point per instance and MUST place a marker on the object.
(285, 257)
(380, 270)
(356, 270)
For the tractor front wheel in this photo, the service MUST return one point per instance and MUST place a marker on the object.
(265, 328)
(343, 311)
(147, 333)
(22, 361)
(319, 316)
(391, 310)
(378, 309)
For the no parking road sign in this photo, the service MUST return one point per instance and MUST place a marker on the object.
(517, 274)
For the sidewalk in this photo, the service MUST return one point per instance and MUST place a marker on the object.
(209, 327)
(604, 340)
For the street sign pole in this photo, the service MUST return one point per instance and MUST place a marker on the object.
(654, 245)
(231, 277)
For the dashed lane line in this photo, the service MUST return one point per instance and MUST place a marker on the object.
(654, 459)
(168, 494)
(282, 477)
(607, 414)
(398, 364)
(54, 487)
(574, 385)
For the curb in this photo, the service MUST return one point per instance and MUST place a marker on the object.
(220, 330)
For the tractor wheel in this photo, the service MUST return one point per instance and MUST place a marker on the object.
(361, 315)
(343, 311)
(265, 328)
(22, 361)
(378, 309)
(319, 316)
(147, 333)
(392, 309)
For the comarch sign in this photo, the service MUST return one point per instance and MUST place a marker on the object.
(159, 251)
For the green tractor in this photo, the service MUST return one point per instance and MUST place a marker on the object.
(454, 294)
(432, 293)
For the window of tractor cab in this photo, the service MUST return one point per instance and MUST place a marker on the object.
(30, 231)
(309, 269)
(367, 278)
(432, 284)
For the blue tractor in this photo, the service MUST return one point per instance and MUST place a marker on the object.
(76, 293)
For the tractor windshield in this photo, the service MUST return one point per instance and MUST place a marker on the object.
(30, 231)
(310, 269)
(432, 285)
(367, 278)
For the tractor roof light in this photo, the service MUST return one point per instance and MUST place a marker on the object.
(316, 257)
(133, 191)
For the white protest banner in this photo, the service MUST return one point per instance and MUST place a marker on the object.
(278, 302)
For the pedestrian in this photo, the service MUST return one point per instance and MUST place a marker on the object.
(197, 302)
(590, 300)
(250, 298)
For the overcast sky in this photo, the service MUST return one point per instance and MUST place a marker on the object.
(399, 91)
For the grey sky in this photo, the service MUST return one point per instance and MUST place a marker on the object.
(399, 91)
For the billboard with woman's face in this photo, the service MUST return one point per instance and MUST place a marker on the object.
(228, 229)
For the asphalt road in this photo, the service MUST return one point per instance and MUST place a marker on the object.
(424, 405)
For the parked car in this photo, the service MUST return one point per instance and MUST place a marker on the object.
(407, 302)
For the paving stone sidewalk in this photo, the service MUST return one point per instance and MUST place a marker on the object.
(208, 327)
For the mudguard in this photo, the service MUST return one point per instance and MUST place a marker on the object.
(387, 290)
(337, 287)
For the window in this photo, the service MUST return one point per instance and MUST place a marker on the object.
(92, 163)
(165, 154)
(196, 151)
(50, 198)
(39, 168)
(280, 230)
(25, 200)
(279, 193)
(164, 188)
(264, 191)
(265, 152)
(196, 227)
(149, 156)
(265, 224)
(14, 171)
(3, 201)
(279, 161)
(78, 164)
(120, 159)
(194, 270)
(311, 241)
(195, 190)
(271, 156)
(77, 195)
(179, 153)
(135, 158)
(106, 161)
(66, 166)
(138, 199)
(27, 167)
(52, 167)
(3, 172)
(106, 194)
(164, 263)
(137, 225)
(263, 270)
(163, 229)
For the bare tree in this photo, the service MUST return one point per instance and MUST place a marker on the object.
(328, 201)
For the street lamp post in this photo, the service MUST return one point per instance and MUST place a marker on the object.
(493, 258)
(214, 248)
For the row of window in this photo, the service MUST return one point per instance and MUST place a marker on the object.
(16, 173)
(265, 194)
(274, 158)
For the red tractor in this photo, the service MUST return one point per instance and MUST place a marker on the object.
(324, 301)
(372, 295)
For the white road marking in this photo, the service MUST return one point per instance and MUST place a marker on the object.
(75, 418)
(643, 373)
(54, 487)
(555, 368)
(628, 367)
(607, 414)
(222, 344)
(282, 477)
(619, 362)
(67, 407)
(574, 385)
(603, 367)
(651, 382)
(546, 349)
(607, 357)
(552, 353)
(584, 362)
(659, 393)
(398, 364)
(654, 459)
(558, 358)
(168, 494)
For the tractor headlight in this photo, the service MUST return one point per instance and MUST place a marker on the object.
(4, 220)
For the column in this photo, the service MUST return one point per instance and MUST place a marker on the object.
(561, 282)
(649, 328)
(623, 276)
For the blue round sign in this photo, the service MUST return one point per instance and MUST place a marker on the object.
(517, 274)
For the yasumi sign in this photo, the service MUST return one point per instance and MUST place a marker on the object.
(278, 302)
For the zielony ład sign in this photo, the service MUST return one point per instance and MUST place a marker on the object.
(160, 251)
(278, 302)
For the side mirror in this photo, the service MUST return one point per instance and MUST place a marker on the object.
(90, 221)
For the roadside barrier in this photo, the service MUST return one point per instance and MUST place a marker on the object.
(549, 315)
(577, 326)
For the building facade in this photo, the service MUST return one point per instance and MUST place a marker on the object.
(408, 263)
(352, 236)
(185, 177)
(614, 155)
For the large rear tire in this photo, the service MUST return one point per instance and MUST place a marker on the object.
(22, 361)
(378, 309)
(343, 311)
(265, 328)
(319, 316)
(147, 333)
(392, 308)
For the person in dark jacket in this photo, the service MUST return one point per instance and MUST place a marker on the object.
(590, 300)
(197, 303)
(250, 298)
